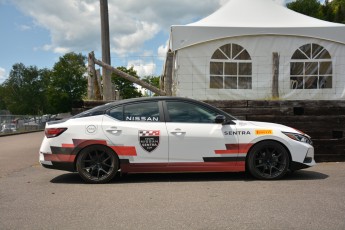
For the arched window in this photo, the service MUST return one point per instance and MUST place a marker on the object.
(311, 68)
(231, 68)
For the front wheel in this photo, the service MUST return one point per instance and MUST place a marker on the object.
(97, 164)
(268, 160)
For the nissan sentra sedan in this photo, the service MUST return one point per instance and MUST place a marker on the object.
(170, 134)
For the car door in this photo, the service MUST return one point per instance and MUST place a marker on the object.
(195, 137)
(138, 132)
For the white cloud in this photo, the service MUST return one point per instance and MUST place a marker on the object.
(162, 51)
(132, 42)
(2, 75)
(169, 12)
(74, 25)
(143, 68)
(24, 27)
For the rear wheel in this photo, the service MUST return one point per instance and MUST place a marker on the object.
(97, 164)
(268, 160)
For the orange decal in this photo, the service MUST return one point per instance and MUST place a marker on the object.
(263, 132)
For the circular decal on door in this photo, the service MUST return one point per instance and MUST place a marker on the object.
(91, 129)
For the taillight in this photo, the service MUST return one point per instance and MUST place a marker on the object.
(54, 132)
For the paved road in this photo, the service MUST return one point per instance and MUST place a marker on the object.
(32, 197)
(19, 151)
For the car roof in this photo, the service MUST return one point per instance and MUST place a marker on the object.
(99, 110)
(141, 99)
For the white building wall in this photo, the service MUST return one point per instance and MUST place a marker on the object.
(192, 67)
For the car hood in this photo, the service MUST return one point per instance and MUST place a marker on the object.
(268, 125)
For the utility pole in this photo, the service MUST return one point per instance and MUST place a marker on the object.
(107, 85)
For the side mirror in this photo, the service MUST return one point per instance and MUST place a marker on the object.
(220, 119)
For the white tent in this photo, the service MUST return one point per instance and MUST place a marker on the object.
(228, 55)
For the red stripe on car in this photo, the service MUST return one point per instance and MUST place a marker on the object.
(124, 150)
(241, 164)
(231, 151)
(59, 157)
(83, 143)
(183, 167)
(234, 149)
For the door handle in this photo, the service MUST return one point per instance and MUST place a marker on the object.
(114, 130)
(178, 132)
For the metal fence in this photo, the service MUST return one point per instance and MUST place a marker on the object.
(18, 123)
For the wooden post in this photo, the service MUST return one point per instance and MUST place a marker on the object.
(168, 72)
(161, 82)
(91, 70)
(100, 89)
(129, 78)
(275, 79)
(97, 85)
(107, 88)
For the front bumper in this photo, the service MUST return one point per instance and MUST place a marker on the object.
(307, 162)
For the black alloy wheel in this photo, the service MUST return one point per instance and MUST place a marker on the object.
(97, 164)
(268, 160)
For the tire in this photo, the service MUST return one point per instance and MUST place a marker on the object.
(268, 160)
(97, 164)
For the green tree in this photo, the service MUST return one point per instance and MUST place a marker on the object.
(311, 8)
(67, 82)
(126, 88)
(153, 80)
(338, 7)
(333, 11)
(23, 91)
(2, 102)
(327, 12)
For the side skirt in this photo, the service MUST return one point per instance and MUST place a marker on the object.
(182, 167)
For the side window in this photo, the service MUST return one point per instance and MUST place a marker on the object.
(145, 111)
(117, 113)
(190, 113)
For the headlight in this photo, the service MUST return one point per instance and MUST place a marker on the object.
(299, 137)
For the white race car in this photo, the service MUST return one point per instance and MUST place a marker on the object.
(170, 134)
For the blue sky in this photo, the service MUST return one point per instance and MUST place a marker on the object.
(20, 42)
(38, 32)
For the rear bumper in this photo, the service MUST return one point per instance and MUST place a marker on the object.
(65, 166)
(59, 165)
